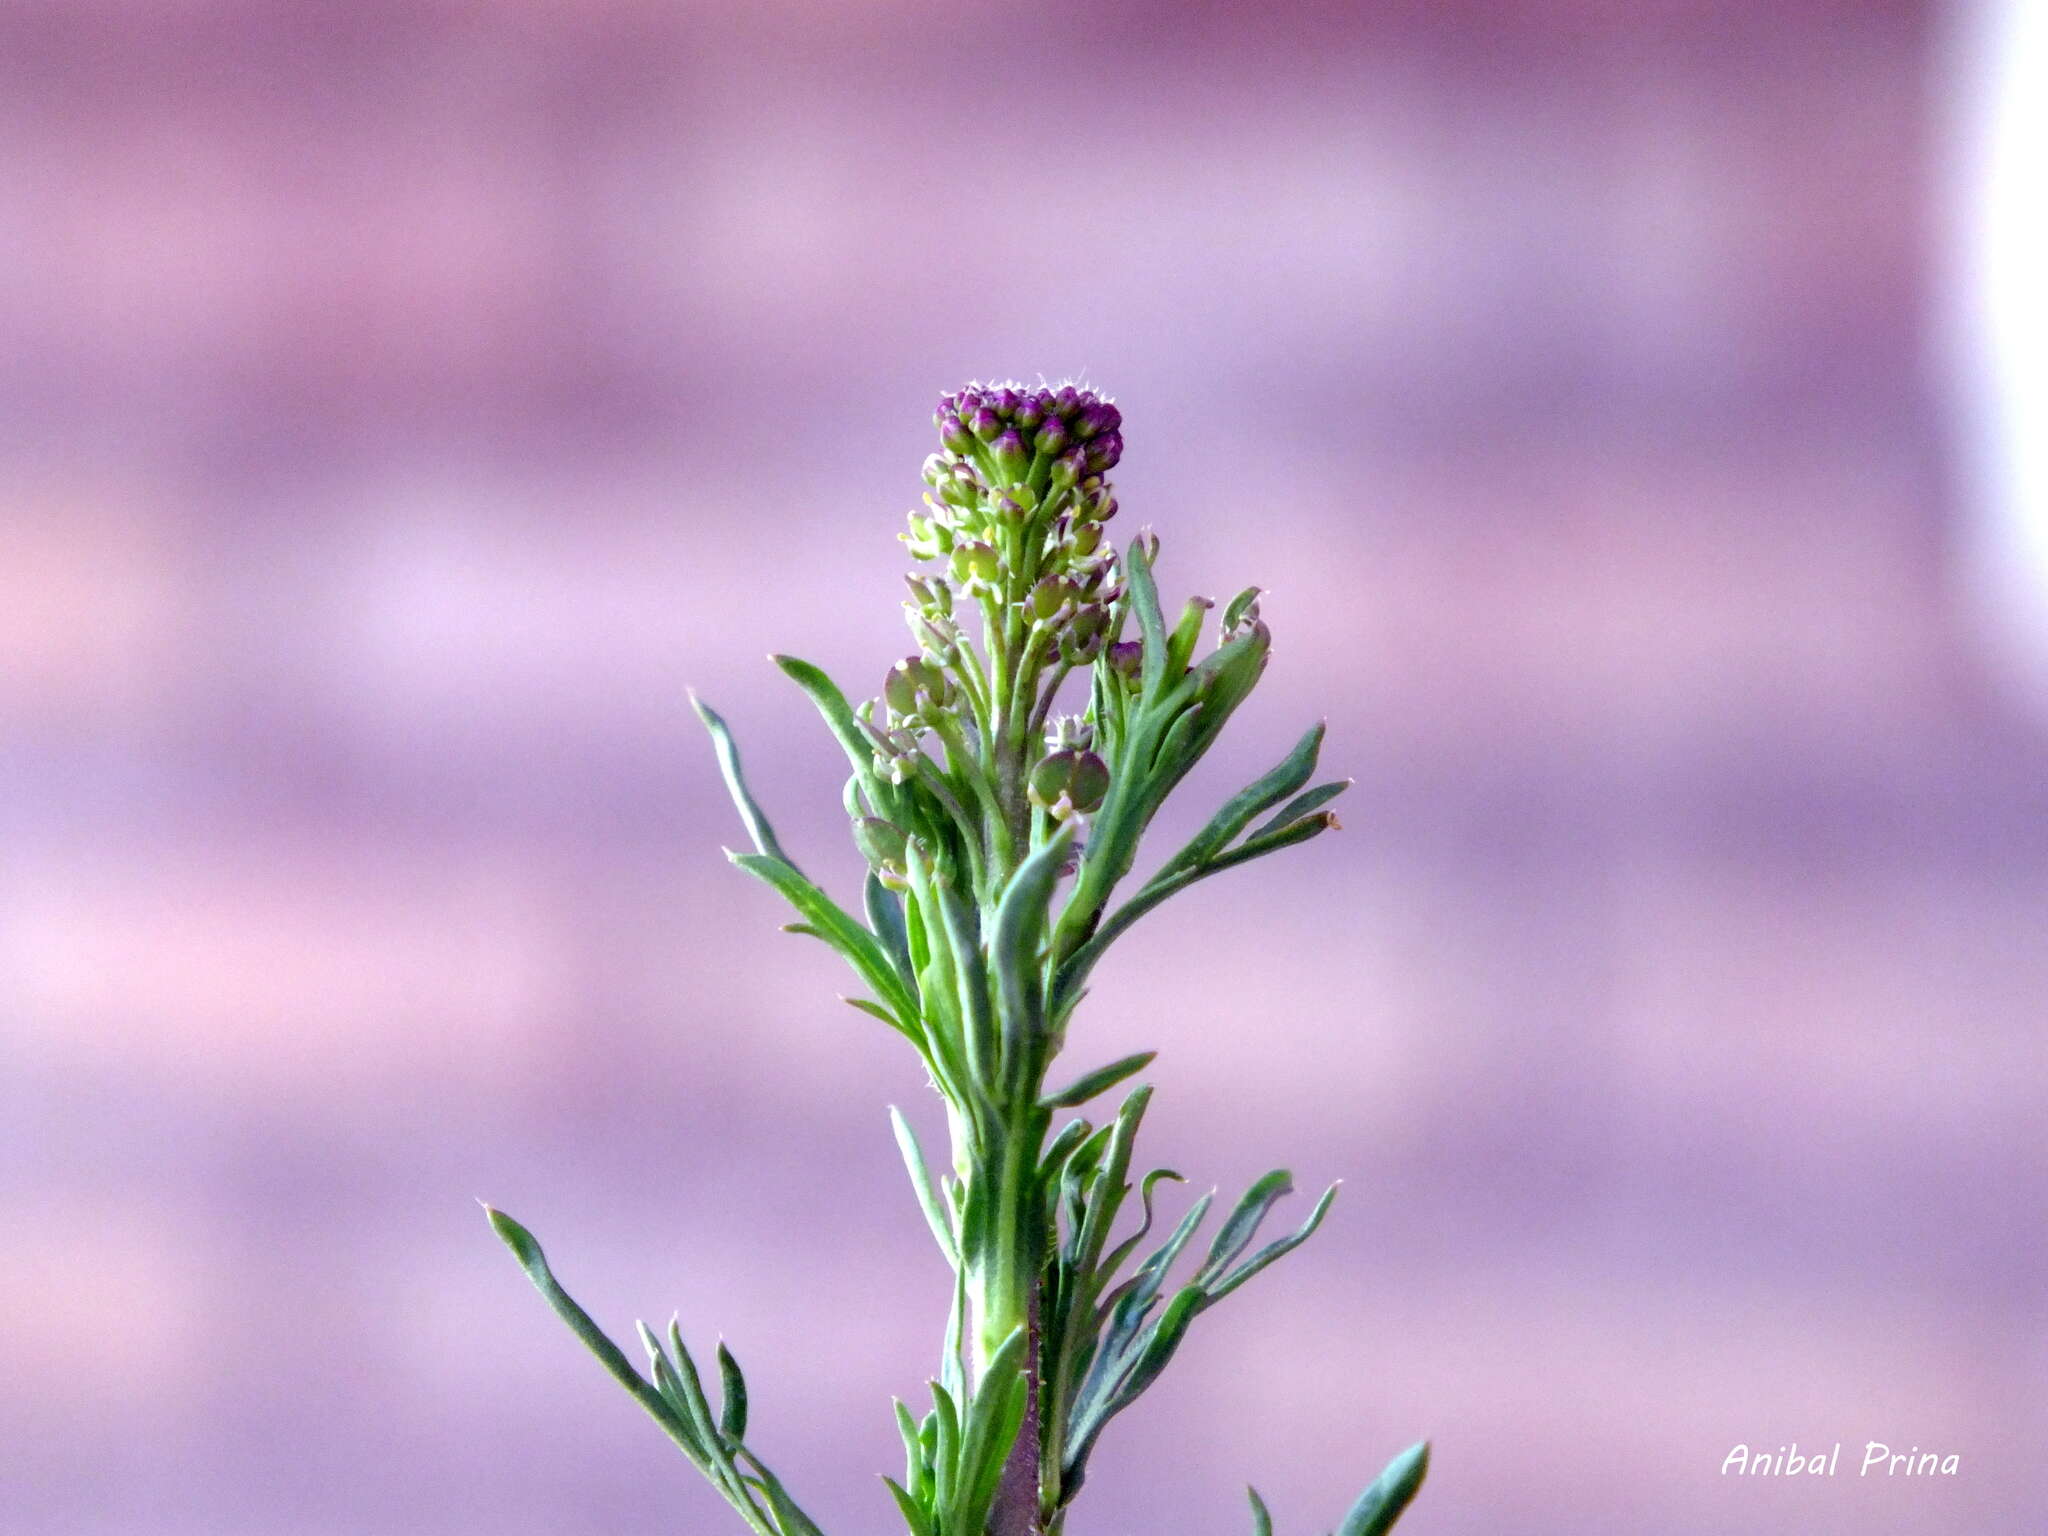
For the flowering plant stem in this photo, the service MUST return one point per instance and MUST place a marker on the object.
(996, 835)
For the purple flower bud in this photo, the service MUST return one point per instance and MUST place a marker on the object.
(954, 434)
(1065, 399)
(1052, 437)
(1030, 410)
(1066, 470)
(1104, 451)
(1089, 419)
(985, 424)
(1006, 402)
(1128, 657)
(1010, 455)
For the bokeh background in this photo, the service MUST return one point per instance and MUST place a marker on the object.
(405, 403)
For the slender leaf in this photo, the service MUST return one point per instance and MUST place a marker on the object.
(534, 1262)
(1262, 1522)
(1014, 950)
(914, 1516)
(732, 1395)
(1380, 1505)
(1268, 790)
(736, 784)
(884, 911)
(927, 1192)
(1242, 1224)
(1086, 1087)
(1151, 627)
(831, 703)
(853, 942)
(1273, 1250)
(1293, 811)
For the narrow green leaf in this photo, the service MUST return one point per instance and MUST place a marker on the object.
(927, 1192)
(913, 1516)
(1380, 1505)
(1014, 955)
(534, 1262)
(1151, 627)
(1124, 1249)
(831, 703)
(1271, 842)
(1242, 1224)
(736, 784)
(1053, 1165)
(836, 928)
(993, 1418)
(789, 1519)
(1263, 793)
(693, 1393)
(916, 1469)
(1311, 800)
(1086, 1087)
(732, 1395)
(1113, 1186)
(1273, 1250)
(1180, 645)
(1235, 609)
(884, 911)
(946, 1453)
(969, 981)
(1262, 1522)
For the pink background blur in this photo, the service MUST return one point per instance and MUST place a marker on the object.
(404, 403)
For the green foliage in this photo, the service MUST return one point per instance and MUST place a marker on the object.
(996, 836)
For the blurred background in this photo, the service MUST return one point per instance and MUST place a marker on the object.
(1631, 411)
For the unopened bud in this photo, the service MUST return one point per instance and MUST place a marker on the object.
(1010, 456)
(1069, 732)
(1052, 437)
(1128, 658)
(1052, 599)
(1104, 451)
(954, 434)
(1081, 639)
(986, 424)
(883, 844)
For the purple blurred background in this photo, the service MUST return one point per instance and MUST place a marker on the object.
(404, 403)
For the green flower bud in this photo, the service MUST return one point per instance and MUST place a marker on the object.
(1127, 657)
(1052, 599)
(1067, 782)
(929, 595)
(1069, 733)
(1009, 453)
(1081, 639)
(884, 845)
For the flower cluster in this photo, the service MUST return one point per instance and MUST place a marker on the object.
(998, 837)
